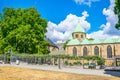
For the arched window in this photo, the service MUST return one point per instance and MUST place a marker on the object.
(76, 35)
(109, 52)
(96, 50)
(81, 36)
(74, 51)
(84, 51)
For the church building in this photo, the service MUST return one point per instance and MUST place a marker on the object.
(80, 45)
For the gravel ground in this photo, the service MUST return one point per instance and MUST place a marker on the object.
(67, 69)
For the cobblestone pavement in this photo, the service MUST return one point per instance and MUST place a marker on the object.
(67, 69)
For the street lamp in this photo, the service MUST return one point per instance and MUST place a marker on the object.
(10, 51)
(59, 48)
(59, 58)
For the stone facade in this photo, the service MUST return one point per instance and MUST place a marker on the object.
(79, 45)
(79, 36)
(102, 49)
(53, 49)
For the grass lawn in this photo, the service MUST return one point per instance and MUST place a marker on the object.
(14, 73)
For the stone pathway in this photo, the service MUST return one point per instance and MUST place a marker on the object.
(67, 69)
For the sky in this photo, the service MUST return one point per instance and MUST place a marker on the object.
(95, 16)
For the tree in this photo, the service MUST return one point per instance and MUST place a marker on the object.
(23, 30)
(65, 44)
(117, 11)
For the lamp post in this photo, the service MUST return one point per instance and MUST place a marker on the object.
(59, 58)
(10, 51)
(60, 45)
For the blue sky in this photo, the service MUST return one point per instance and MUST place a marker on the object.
(95, 16)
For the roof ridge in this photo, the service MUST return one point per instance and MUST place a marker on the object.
(79, 28)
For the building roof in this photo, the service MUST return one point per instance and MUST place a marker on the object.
(79, 28)
(95, 41)
(70, 37)
(90, 41)
(51, 43)
(118, 40)
(73, 42)
(108, 40)
(86, 41)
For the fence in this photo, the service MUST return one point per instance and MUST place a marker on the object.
(65, 60)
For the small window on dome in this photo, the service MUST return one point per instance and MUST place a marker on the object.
(81, 36)
(76, 35)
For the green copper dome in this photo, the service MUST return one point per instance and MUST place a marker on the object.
(79, 28)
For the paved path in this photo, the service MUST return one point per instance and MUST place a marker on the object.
(68, 70)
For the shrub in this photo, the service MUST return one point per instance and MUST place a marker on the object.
(77, 63)
(70, 64)
(74, 63)
(86, 63)
(66, 62)
(101, 61)
(91, 67)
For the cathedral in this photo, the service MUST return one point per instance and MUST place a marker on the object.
(80, 45)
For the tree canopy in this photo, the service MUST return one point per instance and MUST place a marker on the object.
(117, 11)
(23, 30)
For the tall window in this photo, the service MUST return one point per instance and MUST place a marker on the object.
(74, 51)
(84, 51)
(96, 50)
(109, 52)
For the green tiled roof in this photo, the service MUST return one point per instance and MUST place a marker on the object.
(73, 42)
(102, 40)
(79, 28)
(115, 39)
(96, 41)
(85, 41)
(70, 37)
(108, 40)
(118, 40)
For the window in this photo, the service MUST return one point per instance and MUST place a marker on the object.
(96, 50)
(109, 52)
(76, 35)
(74, 51)
(84, 51)
(81, 36)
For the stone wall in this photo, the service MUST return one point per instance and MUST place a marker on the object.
(102, 51)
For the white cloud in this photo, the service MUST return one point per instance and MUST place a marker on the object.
(85, 2)
(64, 29)
(98, 34)
(85, 14)
(108, 29)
